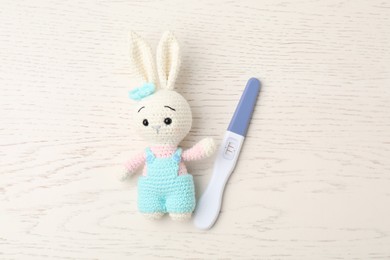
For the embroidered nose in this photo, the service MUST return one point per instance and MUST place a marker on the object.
(157, 128)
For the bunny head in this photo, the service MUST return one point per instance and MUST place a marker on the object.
(161, 115)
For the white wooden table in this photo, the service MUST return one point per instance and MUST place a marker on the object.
(313, 179)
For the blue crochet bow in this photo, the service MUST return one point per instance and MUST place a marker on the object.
(145, 90)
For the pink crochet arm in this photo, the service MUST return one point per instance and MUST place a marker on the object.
(203, 149)
(134, 163)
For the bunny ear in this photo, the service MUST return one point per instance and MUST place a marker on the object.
(143, 58)
(168, 60)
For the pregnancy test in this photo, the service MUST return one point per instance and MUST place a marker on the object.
(209, 204)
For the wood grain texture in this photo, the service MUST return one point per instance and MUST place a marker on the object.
(313, 179)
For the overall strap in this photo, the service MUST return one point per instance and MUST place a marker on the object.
(149, 155)
(177, 155)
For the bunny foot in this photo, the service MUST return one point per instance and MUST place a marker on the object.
(180, 216)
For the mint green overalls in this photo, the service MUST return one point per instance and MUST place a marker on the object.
(163, 189)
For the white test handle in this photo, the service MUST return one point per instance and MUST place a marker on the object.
(209, 205)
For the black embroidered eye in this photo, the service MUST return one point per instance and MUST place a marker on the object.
(145, 122)
(168, 121)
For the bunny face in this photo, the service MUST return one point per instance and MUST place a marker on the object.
(163, 118)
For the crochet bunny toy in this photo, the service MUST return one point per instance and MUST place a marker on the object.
(163, 117)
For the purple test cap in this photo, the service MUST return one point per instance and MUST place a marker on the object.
(242, 116)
